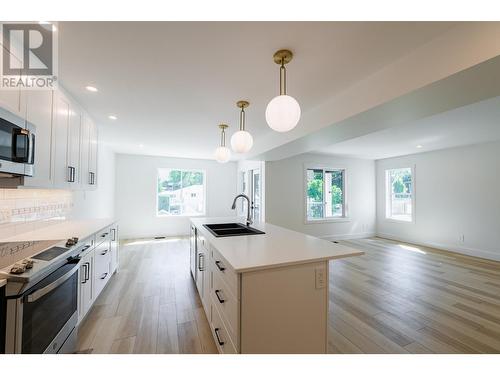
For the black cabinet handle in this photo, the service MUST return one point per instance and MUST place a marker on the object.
(91, 178)
(104, 234)
(114, 234)
(104, 276)
(85, 248)
(84, 273)
(218, 264)
(221, 300)
(221, 343)
(71, 174)
(104, 252)
(200, 257)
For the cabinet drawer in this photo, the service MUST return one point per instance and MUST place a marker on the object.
(220, 268)
(227, 305)
(102, 270)
(102, 236)
(221, 336)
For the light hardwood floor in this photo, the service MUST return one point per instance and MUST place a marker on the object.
(397, 298)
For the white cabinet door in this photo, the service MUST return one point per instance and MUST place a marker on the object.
(86, 290)
(75, 120)
(85, 176)
(93, 150)
(39, 113)
(11, 99)
(60, 140)
(115, 245)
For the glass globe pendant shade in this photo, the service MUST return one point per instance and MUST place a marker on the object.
(283, 113)
(241, 141)
(222, 154)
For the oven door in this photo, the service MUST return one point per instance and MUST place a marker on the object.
(17, 145)
(49, 311)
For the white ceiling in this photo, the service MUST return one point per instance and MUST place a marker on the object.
(471, 124)
(171, 83)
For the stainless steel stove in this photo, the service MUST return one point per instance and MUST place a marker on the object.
(41, 294)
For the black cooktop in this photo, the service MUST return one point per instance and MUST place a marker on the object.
(51, 253)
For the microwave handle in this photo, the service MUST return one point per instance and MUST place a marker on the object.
(49, 288)
(31, 148)
(16, 133)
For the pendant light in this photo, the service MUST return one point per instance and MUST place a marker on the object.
(242, 141)
(222, 153)
(283, 111)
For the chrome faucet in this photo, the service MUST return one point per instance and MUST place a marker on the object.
(249, 219)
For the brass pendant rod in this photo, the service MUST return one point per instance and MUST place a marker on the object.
(282, 77)
(223, 138)
(242, 119)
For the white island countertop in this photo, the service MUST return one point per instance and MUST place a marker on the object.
(277, 247)
(3, 282)
(63, 230)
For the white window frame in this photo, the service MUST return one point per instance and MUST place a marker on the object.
(339, 219)
(182, 170)
(388, 191)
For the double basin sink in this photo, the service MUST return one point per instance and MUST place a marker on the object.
(231, 230)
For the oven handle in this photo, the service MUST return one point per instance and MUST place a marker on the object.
(49, 288)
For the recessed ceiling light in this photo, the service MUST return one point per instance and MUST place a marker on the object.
(91, 88)
(419, 146)
(112, 117)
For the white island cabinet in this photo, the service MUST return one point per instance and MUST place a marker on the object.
(265, 293)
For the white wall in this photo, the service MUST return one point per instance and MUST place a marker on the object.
(98, 203)
(285, 199)
(136, 178)
(456, 193)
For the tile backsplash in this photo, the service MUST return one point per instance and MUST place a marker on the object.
(23, 210)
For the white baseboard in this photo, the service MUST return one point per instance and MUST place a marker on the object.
(349, 236)
(446, 247)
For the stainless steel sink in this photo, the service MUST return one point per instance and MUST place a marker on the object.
(231, 229)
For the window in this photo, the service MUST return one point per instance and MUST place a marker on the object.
(399, 194)
(325, 194)
(180, 192)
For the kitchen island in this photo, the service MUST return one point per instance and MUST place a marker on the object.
(264, 293)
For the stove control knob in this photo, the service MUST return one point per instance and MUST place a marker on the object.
(28, 263)
(75, 239)
(18, 269)
(70, 242)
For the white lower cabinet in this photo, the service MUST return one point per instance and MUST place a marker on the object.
(274, 310)
(102, 262)
(98, 263)
(86, 284)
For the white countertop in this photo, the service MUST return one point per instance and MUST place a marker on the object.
(277, 247)
(63, 230)
(3, 282)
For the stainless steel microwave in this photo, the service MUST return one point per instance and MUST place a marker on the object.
(17, 145)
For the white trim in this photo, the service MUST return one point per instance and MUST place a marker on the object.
(490, 255)
(205, 177)
(413, 194)
(346, 188)
(349, 236)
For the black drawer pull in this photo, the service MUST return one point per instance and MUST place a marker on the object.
(221, 300)
(104, 252)
(218, 264)
(85, 248)
(104, 235)
(221, 343)
(104, 276)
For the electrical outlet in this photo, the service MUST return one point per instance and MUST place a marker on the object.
(320, 278)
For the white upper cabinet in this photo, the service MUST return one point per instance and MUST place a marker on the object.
(60, 140)
(39, 113)
(85, 177)
(93, 150)
(74, 132)
(13, 101)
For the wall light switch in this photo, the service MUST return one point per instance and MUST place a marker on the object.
(320, 278)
